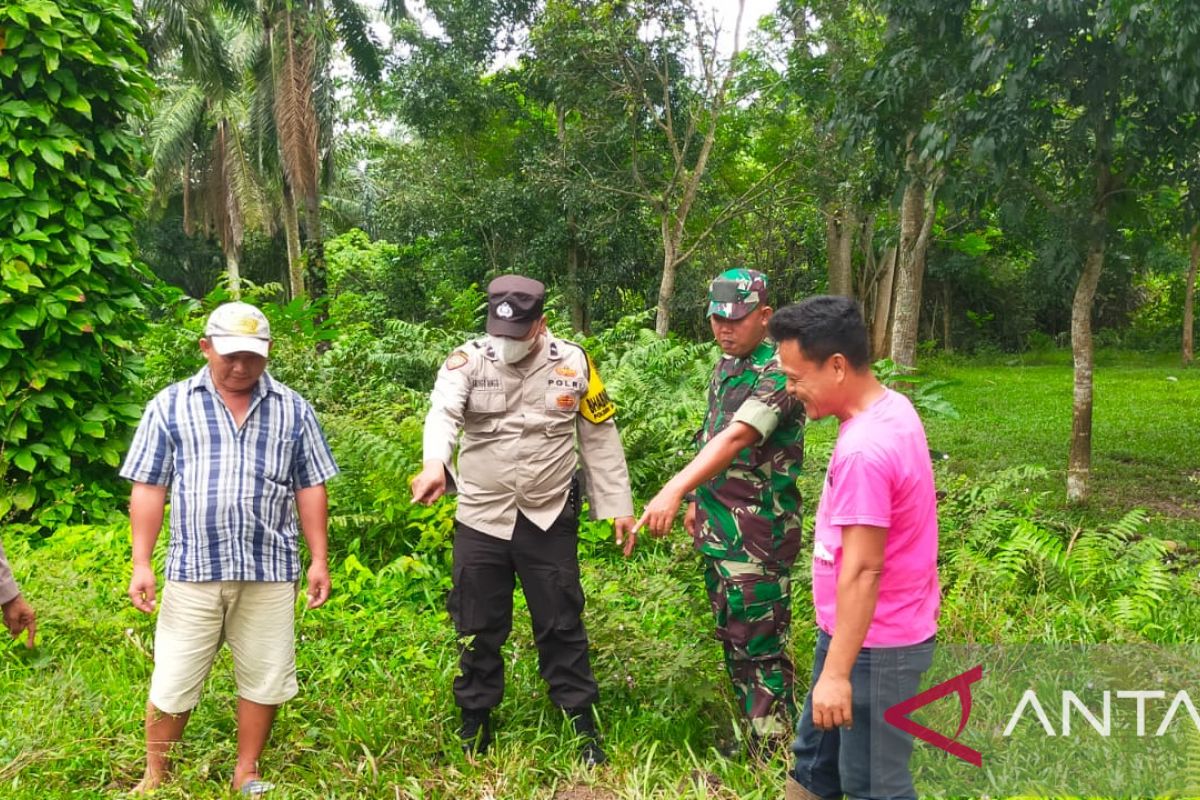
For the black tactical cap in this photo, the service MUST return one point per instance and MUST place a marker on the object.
(514, 304)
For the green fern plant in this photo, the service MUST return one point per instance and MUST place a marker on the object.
(924, 393)
(1125, 570)
(660, 387)
(998, 541)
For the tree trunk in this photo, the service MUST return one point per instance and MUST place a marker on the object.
(674, 207)
(231, 230)
(916, 221)
(839, 241)
(574, 290)
(946, 318)
(1189, 297)
(1080, 463)
(881, 325)
(188, 228)
(235, 274)
(291, 232)
(299, 132)
(314, 249)
(585, 268)
(868, 278)
(666, 290)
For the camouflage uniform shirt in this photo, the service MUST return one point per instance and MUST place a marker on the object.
(751, 511)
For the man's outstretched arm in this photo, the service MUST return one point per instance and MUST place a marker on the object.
(713, 458)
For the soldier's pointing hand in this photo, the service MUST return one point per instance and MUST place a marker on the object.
(659, 514)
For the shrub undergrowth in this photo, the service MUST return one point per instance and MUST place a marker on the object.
(376, 718)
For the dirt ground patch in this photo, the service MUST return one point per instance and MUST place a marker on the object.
(584, 793)
(1171, 507)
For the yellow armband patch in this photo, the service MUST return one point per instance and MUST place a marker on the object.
(597, 406)
(456, 359)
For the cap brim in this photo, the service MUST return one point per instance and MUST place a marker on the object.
(224, 345)
(730, 310)
(504, 327)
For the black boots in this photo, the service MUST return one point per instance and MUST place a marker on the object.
(590, 751)
(476, 731)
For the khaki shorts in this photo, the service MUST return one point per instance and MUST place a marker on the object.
(256, 618)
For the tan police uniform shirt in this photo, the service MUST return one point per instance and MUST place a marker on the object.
(519, 429)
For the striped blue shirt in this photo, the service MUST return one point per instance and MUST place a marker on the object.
(233, 514)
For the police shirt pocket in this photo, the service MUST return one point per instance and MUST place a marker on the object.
(559, 424)
(484, 412)
(486, 402)
(477, 424)
(561, 400)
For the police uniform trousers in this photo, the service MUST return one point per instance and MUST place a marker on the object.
(481, 605)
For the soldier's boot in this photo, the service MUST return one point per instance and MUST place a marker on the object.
(769, 735)
(764, 748)
(765, 737)
(590, 752)
(752, 748)
(476, 731)
(793, 790)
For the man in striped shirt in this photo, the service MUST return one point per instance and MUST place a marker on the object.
(243, 457)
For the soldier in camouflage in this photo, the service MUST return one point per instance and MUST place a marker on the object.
(745, 513)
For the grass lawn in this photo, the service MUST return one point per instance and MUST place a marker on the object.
(375, 717)
(1145, 438)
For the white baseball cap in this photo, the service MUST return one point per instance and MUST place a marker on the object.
(238, 328)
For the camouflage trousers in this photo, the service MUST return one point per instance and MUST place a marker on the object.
(752, 604)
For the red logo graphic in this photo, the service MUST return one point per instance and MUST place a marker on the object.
(961, 685)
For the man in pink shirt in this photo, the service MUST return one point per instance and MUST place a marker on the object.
(875, 584)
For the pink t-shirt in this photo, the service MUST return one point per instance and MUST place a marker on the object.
(880, 475)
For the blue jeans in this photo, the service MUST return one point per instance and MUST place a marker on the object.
(870, 759)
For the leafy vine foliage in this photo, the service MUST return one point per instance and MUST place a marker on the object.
(72, 77)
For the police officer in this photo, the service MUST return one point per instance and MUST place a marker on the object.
(745, 513)
(522, 399)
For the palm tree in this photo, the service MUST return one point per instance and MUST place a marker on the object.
(250, 106)
(196, 137)
(293, 108)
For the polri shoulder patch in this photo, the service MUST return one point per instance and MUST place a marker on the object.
(456, 359)
(597, 406)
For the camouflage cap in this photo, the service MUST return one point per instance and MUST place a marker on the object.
(736, 292)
